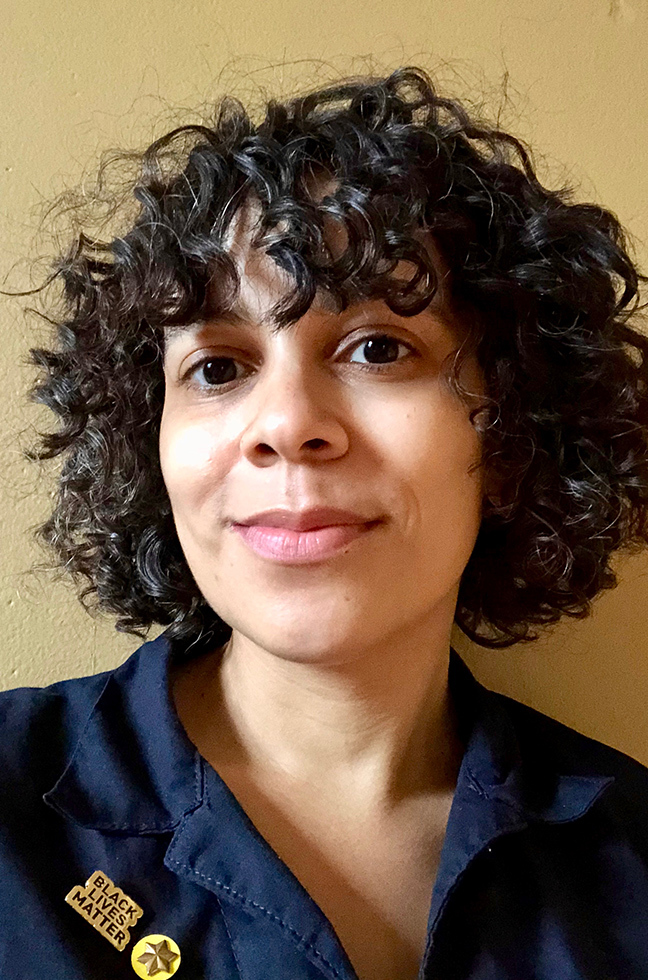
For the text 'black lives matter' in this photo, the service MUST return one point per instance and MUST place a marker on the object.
(106, 907)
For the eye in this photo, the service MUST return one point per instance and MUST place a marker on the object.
(381, 350)
(213, 372)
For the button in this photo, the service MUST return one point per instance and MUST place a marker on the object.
(155, 956)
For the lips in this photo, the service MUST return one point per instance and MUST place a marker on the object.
(305, 520)
(287, 546)
(301, 537)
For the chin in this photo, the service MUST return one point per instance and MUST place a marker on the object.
(293, 637)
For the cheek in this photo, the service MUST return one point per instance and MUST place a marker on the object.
(192, 460)
(435, 452)
(432, 444)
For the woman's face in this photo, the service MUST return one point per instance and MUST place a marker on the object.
(314, 417)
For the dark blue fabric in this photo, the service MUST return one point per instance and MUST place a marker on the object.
(543, 873)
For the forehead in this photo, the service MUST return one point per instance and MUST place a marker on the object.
(263, 281)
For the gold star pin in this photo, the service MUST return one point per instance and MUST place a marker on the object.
(155, 956)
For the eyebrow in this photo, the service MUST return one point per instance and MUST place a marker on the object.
(227, 318)
(230, 317)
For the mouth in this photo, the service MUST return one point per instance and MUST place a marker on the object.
(287, 546)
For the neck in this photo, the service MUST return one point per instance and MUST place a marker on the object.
(378, 726)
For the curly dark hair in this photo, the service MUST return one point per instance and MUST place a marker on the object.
(546, 285)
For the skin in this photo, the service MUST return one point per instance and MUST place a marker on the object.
(335, 676)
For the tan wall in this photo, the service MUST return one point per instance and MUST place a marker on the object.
(80, 76)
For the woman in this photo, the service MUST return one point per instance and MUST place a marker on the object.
(351, 374)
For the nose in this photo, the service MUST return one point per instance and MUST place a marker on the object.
(293, 417)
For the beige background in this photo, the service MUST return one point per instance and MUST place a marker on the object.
(571, 77)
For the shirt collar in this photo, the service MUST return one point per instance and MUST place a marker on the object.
(516, 755)
(134, 770)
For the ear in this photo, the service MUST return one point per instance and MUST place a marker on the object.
(492, 492)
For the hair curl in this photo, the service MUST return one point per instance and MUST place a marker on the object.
(547, 285)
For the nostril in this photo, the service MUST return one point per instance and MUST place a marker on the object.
(315, 443)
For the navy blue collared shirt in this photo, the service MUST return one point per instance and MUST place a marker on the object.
(543, 873)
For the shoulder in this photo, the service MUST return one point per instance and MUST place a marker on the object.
(558, 743)
(553, 746)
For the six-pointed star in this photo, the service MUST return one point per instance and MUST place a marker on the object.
(158, 958)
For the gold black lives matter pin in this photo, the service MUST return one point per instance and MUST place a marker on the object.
(106, 907)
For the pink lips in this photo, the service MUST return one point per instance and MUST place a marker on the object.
(302, 536)
(286, 545)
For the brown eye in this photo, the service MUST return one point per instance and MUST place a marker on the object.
(381, 349)
(215, 371)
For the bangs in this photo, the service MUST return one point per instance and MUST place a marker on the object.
(339, 206)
